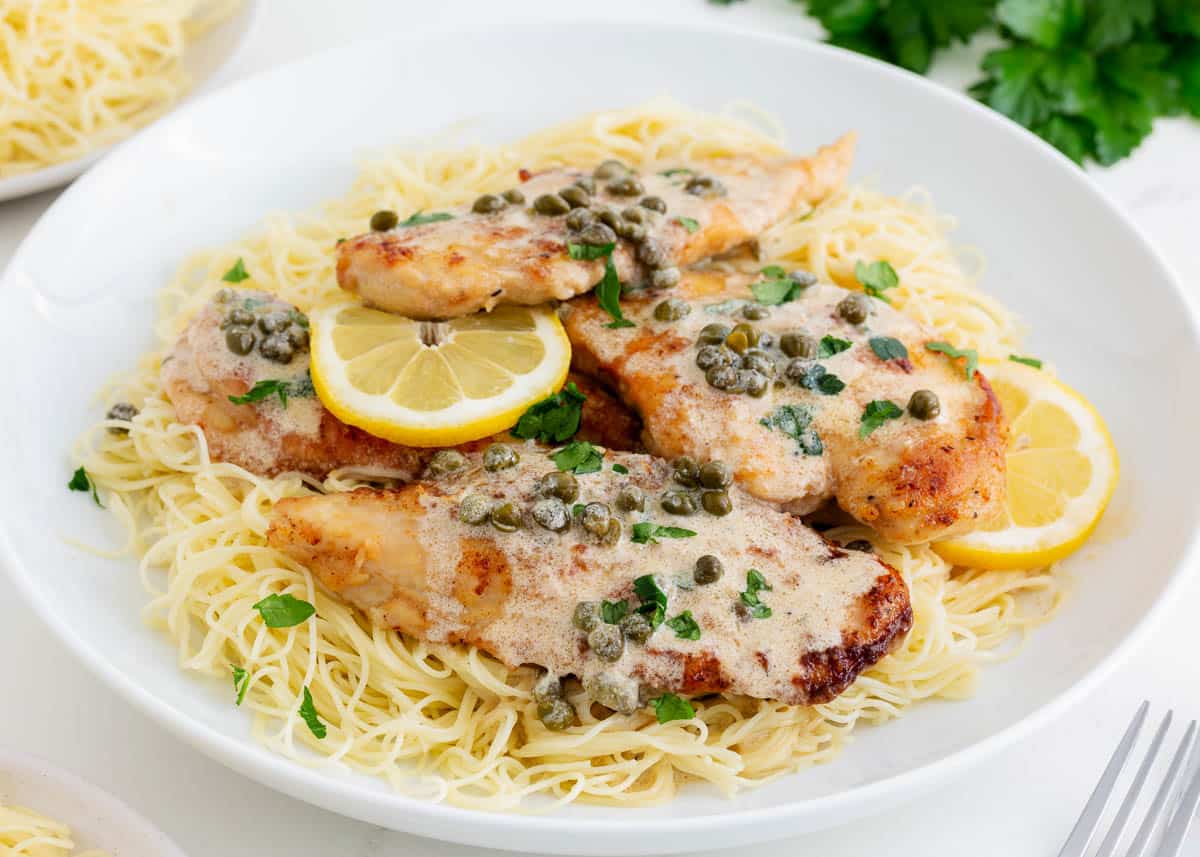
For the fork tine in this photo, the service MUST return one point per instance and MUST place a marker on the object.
(1109, 846)
(1089, 819)
(1162, 798)
(1185, 814)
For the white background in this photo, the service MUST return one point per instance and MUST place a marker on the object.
(1021, 803)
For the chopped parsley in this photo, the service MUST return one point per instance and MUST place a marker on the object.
(608, 294)
(647, 533)
(589, 252)
(777, 288)
(756, 583)
(970, 354)
(685, 626)
(670, 707)
(620, 468)
(691, 224)
(613, 612)
(241, 683)
(1027, 361)
(237, 273)
(264, 390)
(80, 481)
(818, 379)
(887, 348)
(876, 413)
(284, 611)
(876, 278)
(678, 171)
(795, 421)
(554, 419)
(579, 456)
(831, 345)
(419, 219)
(308, 711)
(654, 600)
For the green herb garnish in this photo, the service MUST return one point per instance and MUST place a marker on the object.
(688, 223)
(613, 612)
(308, 711)
(670, 707)
(419, 219)
(777, 289)
(970, 354)
(795, 421)
(684, 626)
(876, 278)
(283, 611)
(237, 273)
(756, 583)
(81, 481)
(241, 683)
(818, 379)
(887, 348)
(876, 413)
(579, 456)
(831, 345)
(264, 390)
(654, 600)
(589, 252)
(298, 318)
(554, 419)
(1027, 361)
(645, 532)
(620, 468)
(678, 171)
(608, 294)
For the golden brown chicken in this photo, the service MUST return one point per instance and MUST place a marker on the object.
(665, 217)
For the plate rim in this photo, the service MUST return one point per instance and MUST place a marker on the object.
(467, 825)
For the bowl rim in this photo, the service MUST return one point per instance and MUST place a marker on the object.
(466, 825)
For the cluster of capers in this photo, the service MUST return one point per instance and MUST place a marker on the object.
(278, 334)
(701, 487)
(552, 709)
(735, 359)
(607, 641)
(490, 203)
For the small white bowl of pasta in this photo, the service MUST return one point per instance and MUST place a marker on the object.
(65, 109)
(48, 812)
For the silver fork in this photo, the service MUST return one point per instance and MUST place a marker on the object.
(1174, 803)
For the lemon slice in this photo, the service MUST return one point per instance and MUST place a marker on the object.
(1062, 470)
(424, 383)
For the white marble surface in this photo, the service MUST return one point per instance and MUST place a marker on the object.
(1022, 803)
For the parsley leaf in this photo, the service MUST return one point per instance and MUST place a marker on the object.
(654, 600)
(816, 378)
(620, 468)
(876, 413)
(795, 421)
(685, 626)
(419, 219)
(831, 345)
(613, 612)
(588, 252)
(971, 355)
(241, 683)
(887, 348)
(876, 278)
(670, 707)
(578, 456)
(688, 223)
(756, 583)
(284, 611)
(778, 288)
(554, 419)
(608, 294)
(80, 481)
(264, 390)
(1028, 361)
(237, 273)
(646, 532)
(308, 711)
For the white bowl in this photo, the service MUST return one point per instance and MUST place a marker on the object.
(78, 302)
(96, 818)
(204, 58)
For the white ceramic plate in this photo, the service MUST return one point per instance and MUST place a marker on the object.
(78, 304)
(204, 58)
(96, 818)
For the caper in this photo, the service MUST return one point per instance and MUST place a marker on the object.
(474, 509)
(273, 322)
(612, 690)
(560, 484)
(716, 503)
(678, 503)
(500, 456)
(240, 340)
(652, 254)
(575, 196)
(713, 355)
(722, 376)
(708, 570)
(277, 348)
(556, 714)
(713, 334)
(239, 317)
(859, 545)
(298, 337)
(223, 296)
(383, 220)
(636, 627)
(489, 203)
(609, 169)
(634, 214)
(124, 412)
(803, 278)
(715, 474)
(446, 461)
(798, 369)
(924, 405)
(613, 534)
(551, 204)
(514, 196)
(634, 232)
(654, 203)
(586, 616)
(551, 513)
(631, 499)
(854, 308)
(580, 218)
(595, 518)
(755, 312)
(737, 342)
(753, 383)
(672, 309)
(547, 688)
(506, 518)
(625, 186)
(664, 278)
(751, 334)
(704, 186)
(597, 235)
(607, 642)
(796, 344)
(759, 362)
(685, 471)
(607, 215)
(587, 183)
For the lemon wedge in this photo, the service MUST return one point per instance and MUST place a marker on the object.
(1062, 471)
(424, 383)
